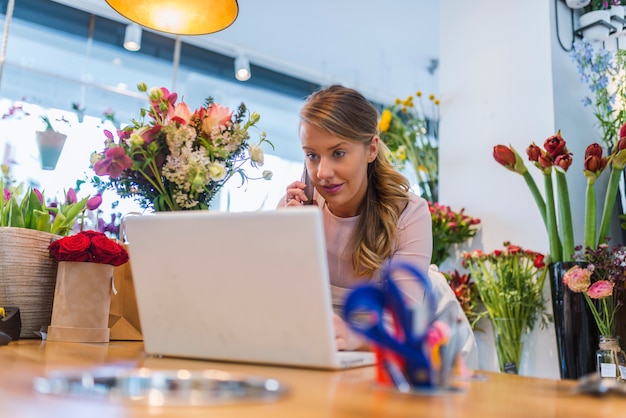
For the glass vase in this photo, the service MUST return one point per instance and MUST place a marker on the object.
(610, 359)
(508, 338)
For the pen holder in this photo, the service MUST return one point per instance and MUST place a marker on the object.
(11, 322)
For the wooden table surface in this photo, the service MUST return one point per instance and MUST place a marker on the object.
(312, 393)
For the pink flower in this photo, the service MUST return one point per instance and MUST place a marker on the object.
(39, 195)
(114, 162)
(577, 279)
(181, 113)
(216, 116)
(7, 194)
(71, 196)
(600, 289)
(94, 202)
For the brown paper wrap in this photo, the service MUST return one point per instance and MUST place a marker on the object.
(124, 315)
(82, 297)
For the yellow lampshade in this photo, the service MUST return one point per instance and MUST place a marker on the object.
(179, 17)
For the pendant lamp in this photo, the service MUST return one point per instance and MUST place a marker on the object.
(179, 17)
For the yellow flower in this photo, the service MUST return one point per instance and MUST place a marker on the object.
(385, 121)
(400, 153)
(398, 101)
(436, 102)
(431, 97)
(418, 93)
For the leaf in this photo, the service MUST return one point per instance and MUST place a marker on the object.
(15, 214)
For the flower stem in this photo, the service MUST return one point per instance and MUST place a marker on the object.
(609, 203)
(590, 214)
(551, 226)
(565, 215)
(541, 204)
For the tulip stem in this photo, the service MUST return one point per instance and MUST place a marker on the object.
(534, 190)
(590, 214)
(565, 216)
(609, 203)
(553, 235)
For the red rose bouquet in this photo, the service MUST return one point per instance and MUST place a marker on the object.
(89, 246)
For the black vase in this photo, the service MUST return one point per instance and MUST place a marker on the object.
(576, 331)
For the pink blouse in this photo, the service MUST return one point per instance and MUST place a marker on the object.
(414, 245)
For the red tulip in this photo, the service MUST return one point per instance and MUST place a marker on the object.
(504, 155)
(555, 145)
(563, 161)
(533, 152)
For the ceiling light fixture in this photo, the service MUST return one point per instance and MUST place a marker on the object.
(132, 39)
(242, 68)
(179, 17)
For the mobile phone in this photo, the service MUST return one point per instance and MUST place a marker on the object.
(308, 190)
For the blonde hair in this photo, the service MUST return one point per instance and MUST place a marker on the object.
(347, 114)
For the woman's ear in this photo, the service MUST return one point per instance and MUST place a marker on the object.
(373, 149)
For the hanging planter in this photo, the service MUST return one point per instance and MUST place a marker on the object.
(577, 4)
(617, 20)
(50, 144)
(596, 25)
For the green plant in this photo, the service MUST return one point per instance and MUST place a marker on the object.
(413, 135)
(510, 284)
(449, 228)
(30, 211)
(604, 73)
(597, 5)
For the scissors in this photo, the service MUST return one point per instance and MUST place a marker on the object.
(364, 311)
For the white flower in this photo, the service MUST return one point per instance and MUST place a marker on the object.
(217, 171)
(256, 155)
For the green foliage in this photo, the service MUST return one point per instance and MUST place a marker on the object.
(32, 213)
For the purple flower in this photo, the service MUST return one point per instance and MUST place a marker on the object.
(71, 196)
(7, 194)
(114, 162)
(94, 202)
(39, 195)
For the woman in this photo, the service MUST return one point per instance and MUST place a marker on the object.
(370, 216)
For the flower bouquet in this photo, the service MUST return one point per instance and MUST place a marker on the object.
(82, 295)
(466, 292)
(599, 277)
(553, 160)
(510, 284)
(178, 159)
(449, 228)
(412, 135)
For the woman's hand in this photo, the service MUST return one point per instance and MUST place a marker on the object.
(295, 194)
(345, 338)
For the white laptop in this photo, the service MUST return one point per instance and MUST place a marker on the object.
(248, 287)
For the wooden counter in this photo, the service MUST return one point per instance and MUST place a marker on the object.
(312, 393)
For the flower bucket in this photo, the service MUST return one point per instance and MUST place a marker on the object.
(597, 32)
(82, 298)
(575, 328)
(27, 276)
(50, 144)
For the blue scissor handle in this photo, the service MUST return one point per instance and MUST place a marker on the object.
(374, 301)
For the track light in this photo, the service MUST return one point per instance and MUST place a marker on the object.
(132, 39)
(242, 68)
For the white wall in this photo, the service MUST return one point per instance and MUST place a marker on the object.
(503, 81)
